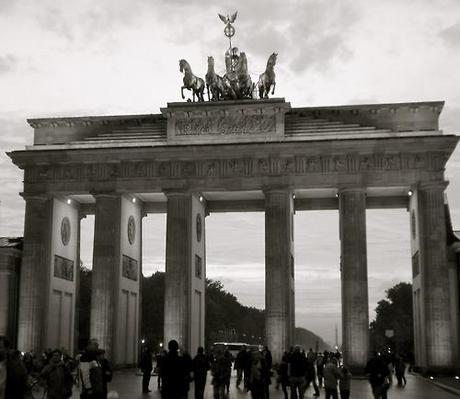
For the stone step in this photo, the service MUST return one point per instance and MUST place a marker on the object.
(330, 129)
(336, 134)
(126, 137)
(131, 134)
(94, 140)
(312, 122)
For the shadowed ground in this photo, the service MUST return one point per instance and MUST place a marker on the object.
(128, 386)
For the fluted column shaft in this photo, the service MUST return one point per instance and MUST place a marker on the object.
(106, 261)
(355, 302)
(279, 271)
(34, 276)
(177, 277)
(434, 277)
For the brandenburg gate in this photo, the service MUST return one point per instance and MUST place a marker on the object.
(224, 156)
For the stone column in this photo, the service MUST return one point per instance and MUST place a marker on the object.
(279, 271)
(433, 324)
(34, 278)
(106, 264)
(10, 262)
(355, 302)
(185, 270)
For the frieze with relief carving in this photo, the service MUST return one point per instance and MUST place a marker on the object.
(233, 124)
(239, 167)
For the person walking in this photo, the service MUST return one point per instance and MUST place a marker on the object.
(258, 375)
(57, 377)
(310, 374)
(200, 367)
(377, 371)
(400, 371)
(331, 377)
(297, 371)
(345, 383)
(242, 366)
(283, 376)
(219, 374)
(146, 367)
(320, 369)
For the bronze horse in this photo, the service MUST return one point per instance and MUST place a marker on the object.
(214, 83)
(191, 82)
(245, 85)
(267, 79)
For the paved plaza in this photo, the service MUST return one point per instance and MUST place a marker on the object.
(128, 385)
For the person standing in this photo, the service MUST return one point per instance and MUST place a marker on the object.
(146, 367)
(58, 377)
(200, 367)
(219, 374)
(13, 374)
(174, 374)
(331, 377)
(106, 371)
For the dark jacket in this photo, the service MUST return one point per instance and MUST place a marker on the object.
(16, 379)
(59, 381)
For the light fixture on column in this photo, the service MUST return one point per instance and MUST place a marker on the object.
(293, 196)
(69, 201)
(201, 198)
(337, 195)
(143, 341)
(410, 193)
(134, 200)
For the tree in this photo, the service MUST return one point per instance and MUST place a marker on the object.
(394, 313)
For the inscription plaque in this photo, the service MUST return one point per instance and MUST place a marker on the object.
(232, 124)
(129, 268)
(63, 268)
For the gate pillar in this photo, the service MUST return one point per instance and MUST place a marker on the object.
(48, 274)
(355, 302)
(433, 327)
(185, 277)
(279, 271)
(115, 305)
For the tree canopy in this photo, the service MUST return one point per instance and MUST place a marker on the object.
(394, 314)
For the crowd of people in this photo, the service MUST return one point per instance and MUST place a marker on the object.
(255, 372)
(298, 370)
(55, 372)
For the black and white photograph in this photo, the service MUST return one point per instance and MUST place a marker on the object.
(229, 200)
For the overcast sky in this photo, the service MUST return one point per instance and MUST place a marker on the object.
(121, 57)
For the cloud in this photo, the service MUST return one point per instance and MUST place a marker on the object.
(8, 63)
(451, 36)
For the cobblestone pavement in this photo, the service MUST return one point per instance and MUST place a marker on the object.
(128, 385)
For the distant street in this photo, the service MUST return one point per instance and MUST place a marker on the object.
(128, 386)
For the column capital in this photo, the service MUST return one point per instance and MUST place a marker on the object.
(106, 194)
(277, 189)
(351, 189)
(36, 196)
(435, 185)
